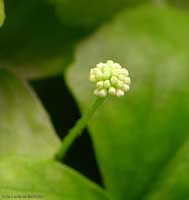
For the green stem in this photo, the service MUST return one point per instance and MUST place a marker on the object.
(77, 130)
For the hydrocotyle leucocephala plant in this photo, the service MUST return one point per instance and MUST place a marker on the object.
(110, 78)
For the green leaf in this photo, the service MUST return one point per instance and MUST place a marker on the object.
(137, 137)
(2, 13)
(33, 42)
(173, 183)
(25, 128)
(89, 14)
(48, 179)
(184, 4)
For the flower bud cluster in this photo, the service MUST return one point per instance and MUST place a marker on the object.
(110, 79)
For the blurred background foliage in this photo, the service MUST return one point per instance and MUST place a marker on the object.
(184, 4)
(90, 14)
(140, 151)
(39, 37)
(2, 14)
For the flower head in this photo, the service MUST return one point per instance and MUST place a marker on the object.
(110, 79)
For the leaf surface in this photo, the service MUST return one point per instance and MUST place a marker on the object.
(25, 128)
(136, 137)
(89, 14)
(2, 13)
(34, 43)
(45, 180)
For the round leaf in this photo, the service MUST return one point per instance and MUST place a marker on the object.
(136, 137)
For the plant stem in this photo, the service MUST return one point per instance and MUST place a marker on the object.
(76, 131)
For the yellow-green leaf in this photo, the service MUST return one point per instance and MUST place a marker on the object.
(47, 180)
(25, 128)
(2, 13)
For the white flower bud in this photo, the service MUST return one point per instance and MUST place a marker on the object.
(117, 66)
(96, 92)
(112, 91)
(121, 77)
(119, 84)
(114, 80)
(105, 69)
(92, 78)
(116, 72)
(125, 88)
(127, 80)
(92, 71)
(106, 75)
(110, 62)
(124, 72)
(107, 84)
(119, 93)
(100, 65)
(102, 93)
(99, 85)
(98, 75)
(95, 70)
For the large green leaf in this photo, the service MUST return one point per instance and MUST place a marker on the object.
(25, 128)
(2, 13)
(88, 14)
(137, 137)
(48, 180)
(173, 182)
(33, 42)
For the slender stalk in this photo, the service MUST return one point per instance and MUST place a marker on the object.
(76, 131)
